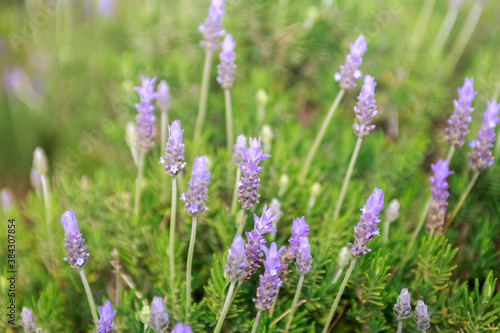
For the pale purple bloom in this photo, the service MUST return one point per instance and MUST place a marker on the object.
(226, 67)
(15, 79)
(367, 225)
(28, 320)
(106, 315)
(158, 317)
(212, 27)
(350, 72)
(145, 118)
(106, 7)
(480, 156)
(239, 150)
(163, 99)
(439, 193)
(236, 259)
(402, 307)
(269, 281)
(179, 328)
(366, 108)
(299, 229)
(304, 258)
(173, 160)
(460, 119)
(7, 199)
(76, 252)
(422, 316)
(196, 196)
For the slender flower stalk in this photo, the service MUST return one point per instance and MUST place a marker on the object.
(422, 316)
(163, 103)
(256, 321)
(342, 261)
(226, 78)
(446, 26)
(40, 165)
(105, 323)
(422, 23)
(239, 161)
(391, 214)
(138, 185)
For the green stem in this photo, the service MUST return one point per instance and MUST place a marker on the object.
(89, 295)
(235, 192)
(423, 22)
(171, 254)
(256, 322)
(400, 326)
(450, 154)
(444, 31)
(462, 199)
(227, 304)
(202, 108)
(261, 111)
(235, 292)
(138, 183)
(242, 222)
(294, 303)
(347, 179)
(189, 265)
(319, 136)
(229, 121)
(339, 294)
(46, 192)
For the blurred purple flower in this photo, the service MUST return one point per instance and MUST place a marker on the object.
(304, 258)
(439, 193)
(158, 317)
(212, 27)
(173, 160)
(269, 281)
(239, 150)
(163, 99)
(76, 252)
(422, 316)
(460, 119)
(196, 196)
(27, 320)
(299, 229)
(350, 72)
(7, 199)
(106, 8)
(179, 328)
(106, 315)
(402, 307)
(226, 67)
(366, 108)
(145, 118)
(236, 259)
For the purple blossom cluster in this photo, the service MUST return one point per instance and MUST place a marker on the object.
(145, 118)
(299, 230)
(212, 27)
(350, 72)
(163, 99)
(439, 193)
(460, 119)
(180, 328)
(366, 108)
(196, 196)
(304, 258)
(269, 281)
(28, 320)
(236, 259)
(480, 155)
(173, 160)
(367, 225)
(158, 317)
(402, 307)
(422, 316)
(239, 150)
(226, 67)
(106, 315)
(76, 252)
(250, 183)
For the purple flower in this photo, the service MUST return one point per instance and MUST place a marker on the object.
(350, 72)
(196, 196)
(106, 7)
(480, 155)
(27, 320)
(179, 328)
(304, 258)
(239, 150)
(422, 316)
(250, 183)
(367, 225)
(439, 193)
(460, 119)
(226, 67)
(173, 160)
(7, 199)
(158, 317)
(75, 250)
(163, 99)
(269, 281)
(366, 108)
(299, 229)
(145, 117)
(402, 307)
(106, 314)
(212, 28)
(236, 259)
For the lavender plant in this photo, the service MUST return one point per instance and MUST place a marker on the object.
(158, 317)
(106, 315)
(422, 316)
(28, 320)
(439, 192)
(402, 308)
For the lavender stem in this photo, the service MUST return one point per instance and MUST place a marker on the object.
(242, 222)
(235, 193)
(423, 22)
(400, 326)
(450, 154)
(462, 199)
(173, 213)
(256, 322)
(189, 265)
(202, 108)
(227, 303)
(138, 182)
(444, 31)
(229, 121)
(294, 303)
(89, 295)
(45, 191)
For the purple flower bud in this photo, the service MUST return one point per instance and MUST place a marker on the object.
(179, 328)
(106, 8)
(299, 229)
(196, 196)
(366, 108)
(145, 118)
(304, 258)
(40, 161)
(212, 28)
(367, 225)
(236, 259)
(106, 315)
(269, 281)
(439, 193)
(263, 223)
(350, 72)
(158, 317)
(402, 307)
(460, 119)
(422, 316)
(163, 99)
(239, 150)
(226, 67)
(27, 320)
(75, 250)
(480, 156)
(173, 160)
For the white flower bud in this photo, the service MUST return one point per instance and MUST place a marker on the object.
(261, 97)
(40, 161)
(392, 211)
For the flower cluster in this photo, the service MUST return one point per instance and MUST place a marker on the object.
(28, 320)
(269, 281)
(439, 193)
(226, 67)
(196, 196)
(304, 258)
(460, 119)
(402, 307)
(480, 156)
(367, 225)
(366, 108)
(236, 259)
(299, 230)
(239, 150)
(163, 99)
(250, 183)
(158, 317)
(106, 315)
(212, 27)
(422, 316)
(173, 160)
(179, 328)
(350, 72)
(76, 252)
(145, 117)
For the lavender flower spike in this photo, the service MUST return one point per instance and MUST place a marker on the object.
(75, 250)
(439, 193)
(236, 259)
(402, 307)
(350, 72)
(366, 108)
(460, 119)
(480, 156)
(173, 160)
(27, 320)
(212, 27)
(226, 67)
(158, 317)
(304, 259)
(269, 281)
(179, 328)
(422, 316)
(196, 196)
(239, 150)
(299, 229)
(106, 315)
(367, 225)
(163, 99)
(145, 117)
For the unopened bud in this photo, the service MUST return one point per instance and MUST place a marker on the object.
(315, 189)
(40, 161)
(261, 97)
(392, 212)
